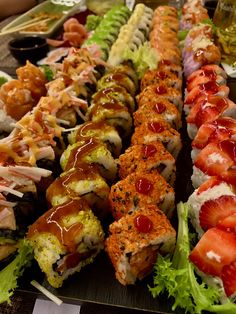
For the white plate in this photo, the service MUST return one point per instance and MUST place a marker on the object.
(50, 8)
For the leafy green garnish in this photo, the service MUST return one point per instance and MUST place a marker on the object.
(3, 80)
(48, 73)
(176, 276)
(144, 58)
(10, 274)
(182, 34)
(210, 22)
(92, 22)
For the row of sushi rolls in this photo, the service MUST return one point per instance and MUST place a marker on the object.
(99, 140)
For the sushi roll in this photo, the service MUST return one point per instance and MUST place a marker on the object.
(138, 189)
(209, 71)
(90, 151)
(136, 240)
(100, 130)
(204, 89)
(215, 159)
(152, 92)
(156, 110)
(202, 77)
(207, 109)
(82, 182)
(65, 239)
(115, 93)
(213, 132)
(117, 78)
(158, 130)
(211, 202)
(148, 157)
(114, 114)
(167, 65)
(152, 77)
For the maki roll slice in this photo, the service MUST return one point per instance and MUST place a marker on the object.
(135, 241)
(115, 114)
(85, 182)
(211, 203)
(65, 239)
(158, 109)
(152, 92)
(138, 189)
(100, 130)
(91, 151)
(125, 68)
(158, 130)
(148, 157)
(115, 93)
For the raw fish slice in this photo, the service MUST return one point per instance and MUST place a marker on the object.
(201, 79)
(209, 70)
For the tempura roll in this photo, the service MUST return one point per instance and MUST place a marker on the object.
(127, 69)
(101, 130)
(114, 114)
(84, 181)
(159, 108)
(90, 151)
(136, 240)
(140, 188)
(158, 130)
(151, 92)
(65, 239)
(148, 157)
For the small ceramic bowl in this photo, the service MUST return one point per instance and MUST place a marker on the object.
(32, 48)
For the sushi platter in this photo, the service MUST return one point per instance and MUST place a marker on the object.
(113, 151)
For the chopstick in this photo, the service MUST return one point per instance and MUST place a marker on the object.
(24, 25)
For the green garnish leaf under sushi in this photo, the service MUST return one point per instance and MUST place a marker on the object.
(176, 275)
(144, 58)
(10, 274)
(3, 80)
(47, 72)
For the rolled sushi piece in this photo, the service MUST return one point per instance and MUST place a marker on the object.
(213, 132)
(136, 240)
(151, 92)
(158, 130)
(202, 90)
(114, 114)
(115, 93)
(100, 130)
(138, 189)
(167, 65)
(157, 109)
(167, 77)
(215, 159)
(117, 78)
(207, 109)
(65, 239)
(91, 151)
(82, 182)
(148, 157)
(213, 201)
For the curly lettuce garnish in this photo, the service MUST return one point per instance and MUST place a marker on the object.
(10, 274)
(144, 58)
(176, 275)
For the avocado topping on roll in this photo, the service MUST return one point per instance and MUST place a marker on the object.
(64, 239)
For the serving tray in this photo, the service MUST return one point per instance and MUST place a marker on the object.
(49, 8)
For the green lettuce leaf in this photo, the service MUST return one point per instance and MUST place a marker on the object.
(10, 274)
(176, 275)
(144, 58)
(48, 73)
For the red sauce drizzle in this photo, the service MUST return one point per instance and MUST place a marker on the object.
(156, 127)
(149, 150)
(229, 147)
(161, 74)
(161, 90)
(159, 107)
(143, 223)
(210, 86)
(51, 222)
(143, 186)
(209, 73)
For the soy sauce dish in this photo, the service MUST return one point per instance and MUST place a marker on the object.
(32, 48)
